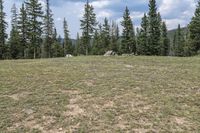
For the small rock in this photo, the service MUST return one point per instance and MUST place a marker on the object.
(28, 111)
(110, 53)
(129, 66)
(68, 56)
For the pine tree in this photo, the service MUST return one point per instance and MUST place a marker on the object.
(16, 49)
(88, 24)
(56, 48)
(143, 47)
(172, 49)
(96, 42)
(3, 35)
(164, 41)
(137, 35)
(23, 30)
(160, 23)
(67, 42)
(114, 37)
(154, 29)
(14, 17)
(194, 28)
(179, 42)
(188, 48)
(117, 35)
(35, 15)
(128, 35)
(60, 42)
(48, 31)
(54, 35)
(77, 46)
(99, 40)
(106, 35)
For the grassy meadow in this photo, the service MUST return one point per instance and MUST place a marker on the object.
(100, 94)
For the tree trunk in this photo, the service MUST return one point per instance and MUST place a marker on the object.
(34, 54)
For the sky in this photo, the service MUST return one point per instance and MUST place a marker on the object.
(173, 12)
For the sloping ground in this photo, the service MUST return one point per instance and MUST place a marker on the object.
(100, 94)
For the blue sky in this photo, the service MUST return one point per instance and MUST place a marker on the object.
(174, 12)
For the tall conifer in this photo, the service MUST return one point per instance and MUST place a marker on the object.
(165, 43)
(114, 41)
(96, 42)
(106, 35)
(179, 42)
(194, 28)
(154, 29)
(16, 49)
(88, 26)
(35, 15)
(128, 36)
(48, 31)
(143, 47)
(3, 26)
(23, 31)
(67, 42)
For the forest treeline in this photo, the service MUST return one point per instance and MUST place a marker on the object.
(34, 35)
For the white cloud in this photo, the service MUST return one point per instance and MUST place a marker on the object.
(137, 15)
(173, 23)
(119, 20)
(101, 4)
(58, 19)
(177, 8)
(103, 14)
(177, 12)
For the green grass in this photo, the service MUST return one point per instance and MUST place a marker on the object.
(100, 94)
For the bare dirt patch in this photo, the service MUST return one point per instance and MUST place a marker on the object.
(75, 99)
(108, 104)
(180, 121)
(141, 130)
(48, 120)
(89, 82)
(32, 123)
(128, 66)
(73, 109)
(73, 128)
(121, 123)
(19, 96)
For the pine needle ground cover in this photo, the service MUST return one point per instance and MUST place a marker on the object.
(100, 94)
